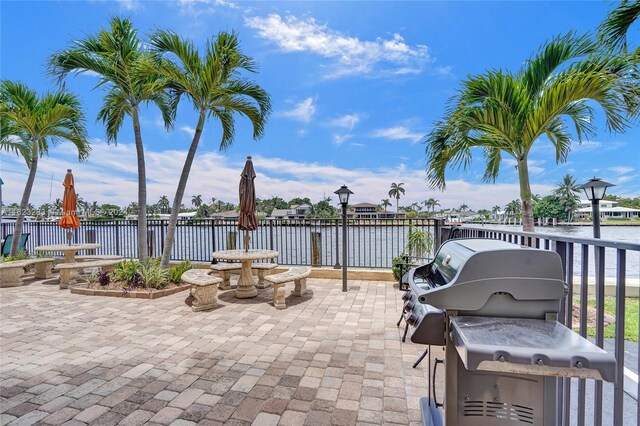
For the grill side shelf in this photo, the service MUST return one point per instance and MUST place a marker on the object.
(528, 346)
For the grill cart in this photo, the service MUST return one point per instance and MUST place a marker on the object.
(494, 306)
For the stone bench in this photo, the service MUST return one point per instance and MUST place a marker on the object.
(225, 269)
(262, 269)
(204, 288)
(69, 271)
(89, 257)
(11, 272)
(296, 274)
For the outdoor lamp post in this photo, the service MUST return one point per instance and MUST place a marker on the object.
(343, 195)
(595, 190)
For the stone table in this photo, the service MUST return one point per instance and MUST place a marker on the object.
(246, 284)
(69, 251)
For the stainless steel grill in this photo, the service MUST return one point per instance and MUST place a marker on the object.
(494, 305)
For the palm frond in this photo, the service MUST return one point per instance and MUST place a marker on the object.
(613, 31)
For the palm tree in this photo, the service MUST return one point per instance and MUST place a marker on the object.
(395, 192)
(33, 124)
(432, 202)
(463, 207)
(215, 87)
(613, 31)
(115, 56)
(506, 113)
(164, 204)
(613, 36)
(385, 203)
(196, 200)
(567, 191)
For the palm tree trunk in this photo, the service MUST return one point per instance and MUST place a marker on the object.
(525, 195)
(182, 185)
(17, 231)
(142, 188)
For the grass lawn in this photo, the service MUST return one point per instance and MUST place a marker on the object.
(631, 317)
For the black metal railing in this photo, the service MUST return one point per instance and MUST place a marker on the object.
(371, 243)
(589, 265)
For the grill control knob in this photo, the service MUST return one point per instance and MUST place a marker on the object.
(412, 319)
(408, 307)
(406, 296)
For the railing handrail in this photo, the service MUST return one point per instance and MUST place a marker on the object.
(553, 237)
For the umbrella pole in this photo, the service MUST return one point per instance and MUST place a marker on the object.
(246, 241)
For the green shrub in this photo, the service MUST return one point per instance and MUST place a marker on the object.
(126, 270)
(176, 271)
(92, 277)
(22, 255)
(394, 265)
(154, 275)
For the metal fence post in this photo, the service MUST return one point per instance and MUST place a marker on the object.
(117, 237)
(337, 265)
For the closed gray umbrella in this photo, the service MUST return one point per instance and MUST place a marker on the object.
(247, 220)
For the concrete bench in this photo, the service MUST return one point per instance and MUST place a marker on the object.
(225, 269)
(11, 272)
(69, 271)
(262, 269)
(204, 288)
(88, 257)
(296, 274)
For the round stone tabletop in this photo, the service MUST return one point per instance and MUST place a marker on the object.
(68, 247)
(245, 255)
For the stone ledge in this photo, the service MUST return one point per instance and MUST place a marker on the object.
(131, 294)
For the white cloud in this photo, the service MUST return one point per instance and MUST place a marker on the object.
(589, 146)
(398, 133)
(188, 130)
(109, 176)
(534, 166)
(350, 55)
(340, 139)
(196, 8)
(347, 121)
(621, 170)
(130, 5)
(302, 112)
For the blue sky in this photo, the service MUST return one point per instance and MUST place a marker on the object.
(355, 87)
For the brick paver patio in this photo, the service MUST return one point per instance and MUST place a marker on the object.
(329, 358)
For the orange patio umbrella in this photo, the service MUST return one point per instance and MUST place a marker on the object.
(69, 220)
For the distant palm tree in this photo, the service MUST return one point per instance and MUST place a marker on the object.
(395, 192)
(567, 191)
(463, 207)
(33, 123)
(164, 204)
(215, 87)
(196, 200)
(506, 113)
(115, 56)
(385, 203)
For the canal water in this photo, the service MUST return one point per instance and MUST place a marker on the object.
(628, 234)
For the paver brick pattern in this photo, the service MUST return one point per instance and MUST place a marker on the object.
(330, 358)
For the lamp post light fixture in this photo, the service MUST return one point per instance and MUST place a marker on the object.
(595, 190)
(343, 195)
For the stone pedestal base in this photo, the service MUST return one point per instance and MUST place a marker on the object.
(43, 270)
(300, 287)
(11, 277)
(68, 277)
(278, 297)
(261, 282)
(246, 286)
(205, 297)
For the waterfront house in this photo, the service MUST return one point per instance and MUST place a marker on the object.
(294, 212)
(608, 210)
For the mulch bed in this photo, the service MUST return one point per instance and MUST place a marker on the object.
(117, 289)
